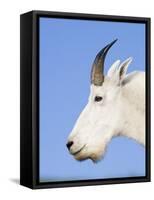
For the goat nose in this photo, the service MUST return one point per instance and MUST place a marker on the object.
(69, 144)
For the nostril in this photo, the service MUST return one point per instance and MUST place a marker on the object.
(69, 144)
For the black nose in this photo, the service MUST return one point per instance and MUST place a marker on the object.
(69, 144)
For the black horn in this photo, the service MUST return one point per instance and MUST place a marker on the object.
(97, 76)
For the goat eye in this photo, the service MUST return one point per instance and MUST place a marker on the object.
(98, 98)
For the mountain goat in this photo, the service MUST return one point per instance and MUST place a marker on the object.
(116, 106)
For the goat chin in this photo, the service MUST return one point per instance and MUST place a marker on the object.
(94, 155)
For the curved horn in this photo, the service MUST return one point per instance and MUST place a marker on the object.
(97, 76)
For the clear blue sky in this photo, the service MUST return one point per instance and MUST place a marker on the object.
(67, 50)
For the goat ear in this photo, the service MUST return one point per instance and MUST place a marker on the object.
(123, 68)
(111, 72)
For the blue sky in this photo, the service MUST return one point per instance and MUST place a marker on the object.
(67, 50)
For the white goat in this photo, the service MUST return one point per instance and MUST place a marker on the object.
(116, 106)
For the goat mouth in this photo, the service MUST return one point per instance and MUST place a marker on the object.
(77, 152)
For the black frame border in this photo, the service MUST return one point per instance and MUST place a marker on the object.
(29, 99)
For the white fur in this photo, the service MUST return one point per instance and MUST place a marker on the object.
(121, 112)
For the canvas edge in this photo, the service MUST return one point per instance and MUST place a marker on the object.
(26, 156)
